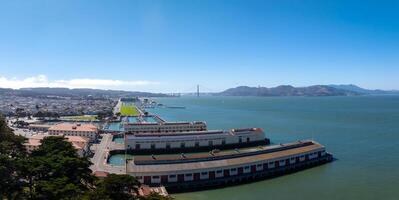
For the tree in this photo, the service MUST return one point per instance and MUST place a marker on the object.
(121, 187)
(10, 186)
(103, 114)
(11, 152)
(39, 114)
(10, 144)
(96, 195)
(55, 171)
(20, 112)
(42, 114)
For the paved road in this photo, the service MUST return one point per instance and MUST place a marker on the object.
(117, 107)
(100, 156)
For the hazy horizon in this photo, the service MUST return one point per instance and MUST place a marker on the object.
(171, 46)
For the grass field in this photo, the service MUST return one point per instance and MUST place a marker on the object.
(129, 110)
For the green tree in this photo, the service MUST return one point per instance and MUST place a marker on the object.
(104, 114)
(55, 171)
(10, 186)
(96, 195)
(121, 187)
(11, 152)
(10, 144)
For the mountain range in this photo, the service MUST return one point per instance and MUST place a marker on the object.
(282, 90)
(360, 90)
(315, 90)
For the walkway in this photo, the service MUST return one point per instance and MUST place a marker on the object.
(99, 159)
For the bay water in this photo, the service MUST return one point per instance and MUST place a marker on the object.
(362, 133)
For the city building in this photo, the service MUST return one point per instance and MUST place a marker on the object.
(74, 129)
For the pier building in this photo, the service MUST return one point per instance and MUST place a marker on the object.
(191, 171)
(164, 127)
(194, 140)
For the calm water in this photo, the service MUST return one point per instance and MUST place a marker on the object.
(361, 132)
(118, 140)
(114, 126)
(119, 159)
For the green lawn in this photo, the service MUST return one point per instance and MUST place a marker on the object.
(129, 110)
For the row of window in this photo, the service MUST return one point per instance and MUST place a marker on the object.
(162, 131)
(180, 140)
(183, 144)
(167, 127)
(211, 140)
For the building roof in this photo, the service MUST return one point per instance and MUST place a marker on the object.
(77, 141)
(73, 127)
(101, 174)
(33, 142)
(77, 138)
(190, 165)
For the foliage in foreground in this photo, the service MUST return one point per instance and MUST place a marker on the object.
(12, 151)
(55, 172)
(115, 187)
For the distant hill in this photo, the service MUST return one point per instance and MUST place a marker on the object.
(66, 92)
(288, 90)
(355, 88)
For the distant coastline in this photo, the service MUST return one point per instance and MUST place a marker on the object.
(315, 90)
(282, 90)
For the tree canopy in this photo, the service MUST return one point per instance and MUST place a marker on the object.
(122, 187)
(54, 171)
(11, 152)
(57, 172)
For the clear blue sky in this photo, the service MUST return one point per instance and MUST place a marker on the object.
(171, 46)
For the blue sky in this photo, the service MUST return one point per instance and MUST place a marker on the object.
(170, 46)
